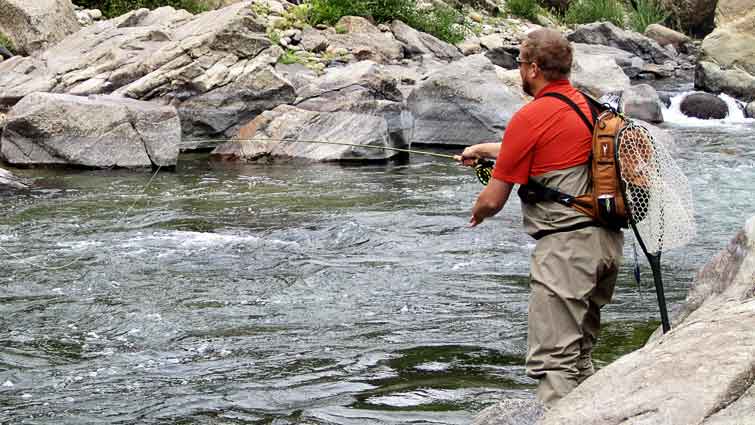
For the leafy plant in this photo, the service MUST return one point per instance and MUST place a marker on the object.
(288, 57)
(527, 9)
(113, 8)
(5, 42)
(644, 13)
(586, 11)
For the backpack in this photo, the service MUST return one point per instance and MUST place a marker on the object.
(605, 203)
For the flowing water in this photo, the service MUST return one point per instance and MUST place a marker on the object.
(282, 293)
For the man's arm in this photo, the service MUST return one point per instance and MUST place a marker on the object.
(490, 201)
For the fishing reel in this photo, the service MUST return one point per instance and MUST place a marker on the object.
(483, 169)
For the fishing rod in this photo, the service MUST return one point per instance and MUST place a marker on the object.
(483, 168)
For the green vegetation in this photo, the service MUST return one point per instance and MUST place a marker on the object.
(288, 57)
(644, 13)
(527, 9)
(113, 8)
(5, 42)
(587, 11)
(440, 21)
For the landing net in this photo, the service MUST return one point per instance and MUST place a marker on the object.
(657, 192)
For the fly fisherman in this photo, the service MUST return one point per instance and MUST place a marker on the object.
(575, 262)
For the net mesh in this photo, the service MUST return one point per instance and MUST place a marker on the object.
(657, 193)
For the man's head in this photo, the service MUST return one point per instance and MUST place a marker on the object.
(545, 55)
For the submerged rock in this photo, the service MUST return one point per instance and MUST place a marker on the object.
(10, 182)
(95, 131)
(704, 106)
(701, 372)
(274, 134)
(462, 103)
(34, 25)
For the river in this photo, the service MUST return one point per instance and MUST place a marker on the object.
(289, 294)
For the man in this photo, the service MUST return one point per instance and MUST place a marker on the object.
(575, 262)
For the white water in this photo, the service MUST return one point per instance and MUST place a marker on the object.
(675, 116)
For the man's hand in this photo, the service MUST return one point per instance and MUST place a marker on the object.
(471, 154)
(491, 200)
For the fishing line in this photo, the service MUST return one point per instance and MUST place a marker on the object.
(77, 259)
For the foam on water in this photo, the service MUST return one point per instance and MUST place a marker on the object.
(674, 115)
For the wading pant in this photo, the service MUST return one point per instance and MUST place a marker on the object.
(573, 275)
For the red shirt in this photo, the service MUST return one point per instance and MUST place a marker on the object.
(545, 135)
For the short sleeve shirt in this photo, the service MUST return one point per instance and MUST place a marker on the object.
(545, 135)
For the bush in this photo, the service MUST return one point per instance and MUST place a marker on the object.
(527, 9)
(5, 42)
(113, 8)
(644, 13)
(439, 21)
(587, 11)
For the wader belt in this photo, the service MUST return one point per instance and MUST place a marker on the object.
(534, 192)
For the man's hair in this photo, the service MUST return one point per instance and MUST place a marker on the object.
(551, 51)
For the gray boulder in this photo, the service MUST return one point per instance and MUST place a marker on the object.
(701, 372)
(10, 182)
(364, 40)
(665, 36)
(274, 134)
(608, 34)
(212, 66)
(420, 43)
(511, 412)
(642, 102)
(366, 88)
(34, 25)
(704, 106)
(750, 110)
(95, 131)
(595, 70)
(461, 104)
(503, 56)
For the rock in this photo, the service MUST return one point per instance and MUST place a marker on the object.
(750, 110)
(704, 106)
(492, 41)
(608, 34)
(34, 25)
(95, 131)
(470, 45)
(420, 43)
(10, 182)
(668, 37)
(632, 65)
(735, 82)
(642, 102)
(365, 41)
(461, 104)
(665, 97)
(313, 40)
(729, 55)
(5, 53)
(511, 412)
(732, 10)
(692, 16)
(596, 72)
(287, 124)
(166, 56)
(503, 57)
(701, 372)
(361, 88)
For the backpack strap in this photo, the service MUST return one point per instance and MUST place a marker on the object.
(576, 109)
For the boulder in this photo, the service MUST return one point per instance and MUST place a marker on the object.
(665, 36)
(313, 40)
(701, 372)
(511, 412)
(420, 43)
(750, 110)
(366, 88)
(10, 182)
(273, 134)
(470, 45)
(5, 53)
(167, 56)
(704, 106)
(642, 102)
(692, 16)
(727, 59)
(34, 25)
(608, 34)
(596, 72)
(732, 10)
(461, 104)
(96, 131)
(364, 40)
(503, 57)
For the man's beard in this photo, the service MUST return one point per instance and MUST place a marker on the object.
(527, 87)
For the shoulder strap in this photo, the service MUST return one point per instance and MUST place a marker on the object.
(576, 109)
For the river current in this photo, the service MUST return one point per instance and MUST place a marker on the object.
(288, 294)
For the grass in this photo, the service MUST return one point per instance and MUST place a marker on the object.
(5, 42)
(289, 57)
(644, 13)
(527, 9)
(441, 21)
(113, 8)
(587, 11)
